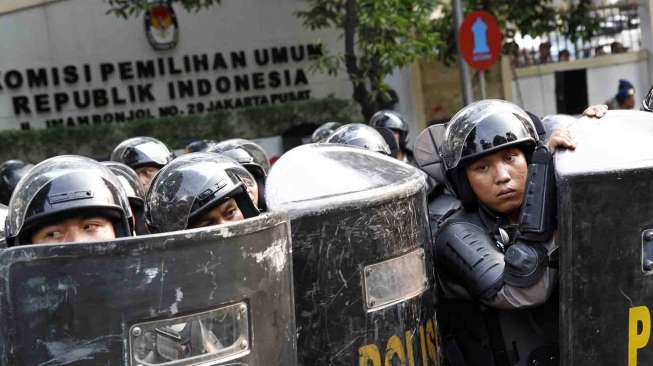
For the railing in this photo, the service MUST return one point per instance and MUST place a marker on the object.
(619, 32)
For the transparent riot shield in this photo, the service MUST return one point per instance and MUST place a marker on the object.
(211, 296)
(605, 235)
(361, 256)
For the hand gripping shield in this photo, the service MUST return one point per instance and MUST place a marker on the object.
(361, 256)
(211, 296)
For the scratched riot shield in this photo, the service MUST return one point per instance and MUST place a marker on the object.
(212, 296)
(605, 235)
(362, 259)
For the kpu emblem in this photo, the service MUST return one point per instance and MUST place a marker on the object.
(161, 26)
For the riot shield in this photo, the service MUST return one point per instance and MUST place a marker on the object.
(3, 218)
(361, 256)
(211, 296)
(605, 208)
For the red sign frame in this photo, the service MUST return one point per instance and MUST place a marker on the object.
(479, 40)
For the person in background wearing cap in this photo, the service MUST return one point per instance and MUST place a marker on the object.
(625, 98)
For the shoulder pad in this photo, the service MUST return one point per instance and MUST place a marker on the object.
(467, 255)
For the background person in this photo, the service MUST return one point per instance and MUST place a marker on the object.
(135, 193)
(146, 155)
(397, 124)
(252, 157)
(625, 98)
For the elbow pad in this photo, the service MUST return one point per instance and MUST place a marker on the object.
(525, 264)
(467, 255)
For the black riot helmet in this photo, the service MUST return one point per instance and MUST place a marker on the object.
(129, 180)
(63, 187)
(135, 192)
(248, 153)
(324, 131)
(358, 134)
(393, 121)
(138, 152)
(191, 186)
(198, 146)
(10, 173)
(251, 156)
(478, 129)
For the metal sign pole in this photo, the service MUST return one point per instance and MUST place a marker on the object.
(481, 79)
(462, 65)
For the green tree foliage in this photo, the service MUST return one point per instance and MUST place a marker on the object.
(379, 36)
(126, 8)
(528, 17)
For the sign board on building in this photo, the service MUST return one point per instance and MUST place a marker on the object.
(69, 63)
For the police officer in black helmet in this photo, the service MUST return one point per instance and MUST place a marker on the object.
(397, 124)
(135, 193)
(198, 190)
(324, 131)
(360, 135)
(10, 173)
(252, 157)
(146, 155)
(68, 199)
(495, 258)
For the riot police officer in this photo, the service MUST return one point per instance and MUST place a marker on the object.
(397, 124)
(10, 173)
(358, 134)
(495, 258)
(68, 199)
(146, 155)
(197, 190)
(252, 157)
(324, 131)
(135, 193)
(198, 146)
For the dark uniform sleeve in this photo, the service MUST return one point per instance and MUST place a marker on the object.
(468, 257)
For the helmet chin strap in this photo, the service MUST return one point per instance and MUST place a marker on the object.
(245, 204)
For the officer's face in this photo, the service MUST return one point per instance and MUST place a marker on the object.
(499, 180)
(397, 136)
(79, 229)
(145, 175)
(629, 103)
(224, 213)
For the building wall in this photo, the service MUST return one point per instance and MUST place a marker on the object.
(78, 33)
(42, 35)
(534, 87)
(442, 88)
